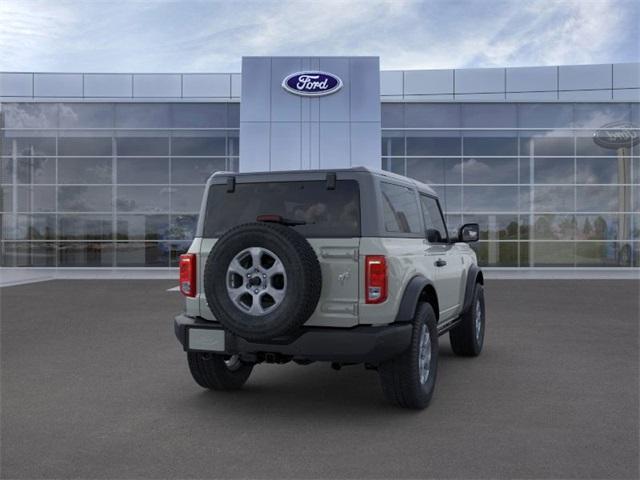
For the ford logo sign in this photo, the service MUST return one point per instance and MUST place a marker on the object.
(312, 84)
(617, 135)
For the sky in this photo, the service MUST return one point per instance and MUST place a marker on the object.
(212, 36)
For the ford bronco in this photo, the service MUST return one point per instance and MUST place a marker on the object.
(352, 266)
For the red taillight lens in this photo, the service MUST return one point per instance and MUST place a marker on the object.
(375, 278)
(188, 274)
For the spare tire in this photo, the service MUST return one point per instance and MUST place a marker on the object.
(262, 280)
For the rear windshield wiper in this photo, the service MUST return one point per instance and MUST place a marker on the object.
(289, 222)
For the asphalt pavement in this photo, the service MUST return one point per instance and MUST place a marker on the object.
(95, 385)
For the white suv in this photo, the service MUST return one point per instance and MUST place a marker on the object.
(345, 266)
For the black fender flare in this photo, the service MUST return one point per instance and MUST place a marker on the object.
(411, 297)
(473, 276)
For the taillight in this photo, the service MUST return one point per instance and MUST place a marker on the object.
(188, 274)
(375, 280)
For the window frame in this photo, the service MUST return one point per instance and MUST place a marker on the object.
(424, 219)
(383, 230)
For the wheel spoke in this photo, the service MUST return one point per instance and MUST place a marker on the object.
(256, 308)
(265, 286)
(277, 295)
(235, 267)
(235, 293)
(256, 256)
(276, 268)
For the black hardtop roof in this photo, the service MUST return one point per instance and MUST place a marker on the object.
(372, 171)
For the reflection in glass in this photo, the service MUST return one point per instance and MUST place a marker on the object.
(495, 227)
(394, 165)
(84, 170)
(540, 144)
(435, 170)
(142, 146)
(490, 199)
(86, 115)
(142, 115)
(143, 227)
(198, 146)
(84, 146)
(603, 198)
(26, 254)
(143, 199)
(71, 254)
(36, 199)
(419, 144)
(143, 170)
(490, 146)
(29, 227)
(392, 145)
(142, 254)
(553, 170)
(431, 115)
(603, 254)
(392, 115)
(587, 147)
(199, 115)
(6, 170)
(195, 170)
(84, 199)
(603, 170)
(183, 227)
(490, 170)
(493, 254)
(36, 170)
(545, 115)
(44, 145)
(602, 226)
(553, 199)
(598, 114)
(85, 227)
(554, 227)
(551, 254)
(489, 115)
(30, 115)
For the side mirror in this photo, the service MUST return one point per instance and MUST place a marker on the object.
(433, 236)
(469, 232)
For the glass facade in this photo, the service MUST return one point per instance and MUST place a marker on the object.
(120, 184)
(543, 191)
(108, 184)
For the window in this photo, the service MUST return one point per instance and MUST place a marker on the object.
(433, 221)
(326, 213)
(400, 209)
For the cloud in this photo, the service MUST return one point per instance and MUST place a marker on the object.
(144, 36)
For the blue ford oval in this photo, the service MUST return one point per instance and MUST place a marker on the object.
(312, 84)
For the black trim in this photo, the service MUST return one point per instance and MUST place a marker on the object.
(231, 184)
(472, 278)
(364, 343)
(410, 299)
(331, 181)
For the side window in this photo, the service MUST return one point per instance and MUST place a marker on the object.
(400, 209)
(433, 220)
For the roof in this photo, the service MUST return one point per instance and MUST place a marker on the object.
(373, 171)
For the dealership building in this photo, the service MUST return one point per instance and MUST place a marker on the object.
(107, 170)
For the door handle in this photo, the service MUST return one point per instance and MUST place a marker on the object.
(440, 263)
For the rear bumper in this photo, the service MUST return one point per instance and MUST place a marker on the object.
(359, 344)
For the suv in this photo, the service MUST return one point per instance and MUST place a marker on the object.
(345, 266)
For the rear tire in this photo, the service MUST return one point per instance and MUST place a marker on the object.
(406, 380)
(467, 337)
(218, 372)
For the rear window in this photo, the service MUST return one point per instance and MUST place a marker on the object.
(327, 213)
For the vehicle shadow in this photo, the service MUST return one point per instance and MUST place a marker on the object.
(352, 394)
